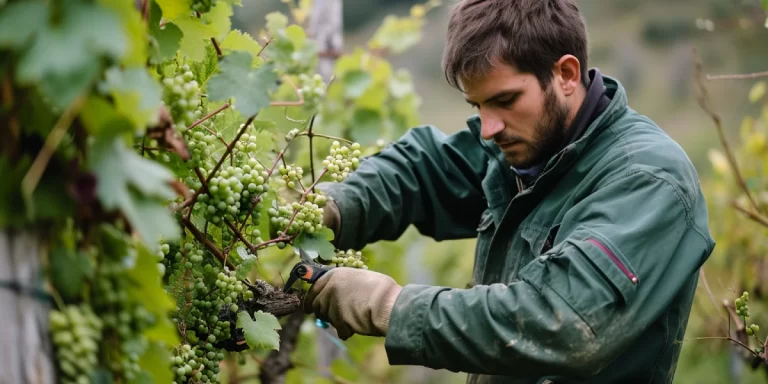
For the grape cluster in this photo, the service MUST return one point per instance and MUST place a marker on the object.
(291, 174)
(231, 191)
(309, 218)
(200, 145)
(192, 364)
(342, 160)
(203, 6)
(312, 89)
(349, 258)
(121, 316)
(200, 361)
(76, 332)
(182, 97)
(246, 143)
(742, 310)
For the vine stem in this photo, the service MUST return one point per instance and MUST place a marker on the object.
(145, 10)
(757, 217)
(311, 151)
(208, 116)
(705, 103)
(290, 103)
(201, 238)
(216, 46)
(239, 236)
(35, 172)
(730, 339)
(738, 76)
(230, 146)
(329, 137)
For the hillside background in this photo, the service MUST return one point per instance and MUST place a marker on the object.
(647, 45)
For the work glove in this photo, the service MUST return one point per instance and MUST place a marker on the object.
(354, 301)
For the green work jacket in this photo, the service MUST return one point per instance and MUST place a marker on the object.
(586, 276)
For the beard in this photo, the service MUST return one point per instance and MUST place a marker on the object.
(550, 135)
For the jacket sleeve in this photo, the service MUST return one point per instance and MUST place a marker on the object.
(426, 178)
(621, 256)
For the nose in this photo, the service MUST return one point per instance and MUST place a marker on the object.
(490, 125)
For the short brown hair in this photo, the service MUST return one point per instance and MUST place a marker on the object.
(528, 34)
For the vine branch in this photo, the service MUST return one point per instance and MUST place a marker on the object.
(35, 172)
(739, 76)
(329, 137)
(755, 216)
(311, 151)
(216, 46)
(208, 116)
(208, 245)
(290, 103)
(705, 103)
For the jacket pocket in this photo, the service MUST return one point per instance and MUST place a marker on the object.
(549, 241)
(589, 273)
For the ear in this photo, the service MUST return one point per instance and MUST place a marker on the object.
(568, 74)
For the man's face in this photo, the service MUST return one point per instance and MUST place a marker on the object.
(526, 122)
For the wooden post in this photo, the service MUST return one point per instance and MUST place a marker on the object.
(26, 354)
(325, 26)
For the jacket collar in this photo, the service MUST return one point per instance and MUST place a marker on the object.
(566, 156)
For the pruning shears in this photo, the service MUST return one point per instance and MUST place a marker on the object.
(306, 269)
(309, 271)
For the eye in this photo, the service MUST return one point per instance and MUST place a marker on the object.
(508, 102)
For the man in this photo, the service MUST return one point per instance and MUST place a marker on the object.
(590, 223)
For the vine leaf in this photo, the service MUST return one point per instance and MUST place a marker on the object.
(239, 41)
(317, 244)
(245, 266)
(20, 20)
(156, 361)
(198, 31)
(356, 82)
(261, 331)
(250, 88)
(167, 37)
(173, 9)
(73, 46)
(204, 69)
(78, 51)
(134, 185)
(397, 34)
(137, 95)
(69, 269)
(133, 26)
(147, 282)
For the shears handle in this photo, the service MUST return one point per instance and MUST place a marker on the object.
(307, 272)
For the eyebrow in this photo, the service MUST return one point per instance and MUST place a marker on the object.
(498, 95)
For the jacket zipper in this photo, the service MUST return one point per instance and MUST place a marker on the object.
(615, 259)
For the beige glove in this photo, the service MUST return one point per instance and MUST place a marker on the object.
(354, 301)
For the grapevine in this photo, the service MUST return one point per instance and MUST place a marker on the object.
(187, 152)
